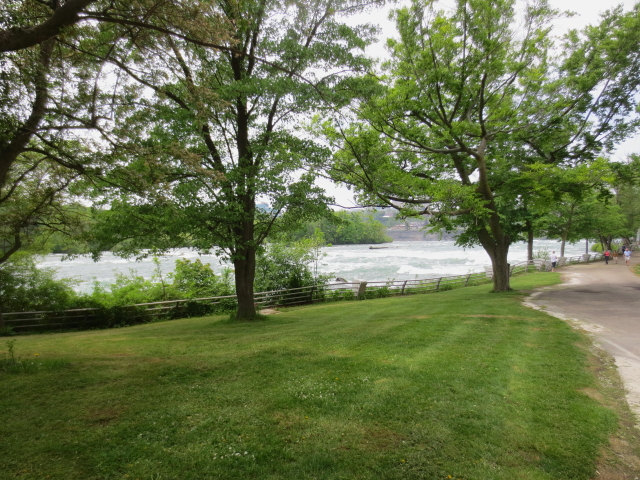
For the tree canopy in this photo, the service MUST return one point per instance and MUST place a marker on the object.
(210, 134)
(477, 102)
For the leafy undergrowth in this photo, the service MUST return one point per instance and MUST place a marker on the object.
(463, 384)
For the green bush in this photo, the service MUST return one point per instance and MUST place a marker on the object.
(198, 280)
(597, 247)
(286, 266)
(342, 294)
(128, 289)
(25, 288)
(189, 280)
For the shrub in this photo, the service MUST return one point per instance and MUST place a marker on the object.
(198, 280)
(126, 290)
(342, 294)
(24, 287)
(285, 266)
(542, 254)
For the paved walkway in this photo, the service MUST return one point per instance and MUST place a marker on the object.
(604, 300)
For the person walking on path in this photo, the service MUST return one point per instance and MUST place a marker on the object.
(554, 261)
(614, 254)
(627, 256)
(607, 255)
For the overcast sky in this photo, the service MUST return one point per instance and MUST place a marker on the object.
(586, 12)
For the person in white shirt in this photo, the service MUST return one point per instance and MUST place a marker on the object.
(554, 261)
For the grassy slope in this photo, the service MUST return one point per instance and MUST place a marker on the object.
(461, 384)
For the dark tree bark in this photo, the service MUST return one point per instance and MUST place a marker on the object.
(14, 39)
(497, 251)
(492, 237)
(17, 243)
(10, 151)
(245, 271)
(529, 228)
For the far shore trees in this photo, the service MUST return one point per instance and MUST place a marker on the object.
(344, 228)
(476, 101)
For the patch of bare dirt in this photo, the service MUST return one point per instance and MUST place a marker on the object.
(102, 417)
(381, 439)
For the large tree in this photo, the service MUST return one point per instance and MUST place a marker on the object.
(215, 133)
(473, 100)
(56, 95)
(48, 95)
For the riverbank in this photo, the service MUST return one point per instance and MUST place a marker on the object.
(457, 385)
(415, 235)
(403, 260)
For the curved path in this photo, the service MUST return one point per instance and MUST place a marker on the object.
(605, 301)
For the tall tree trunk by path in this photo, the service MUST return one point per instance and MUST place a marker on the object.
(491, 235)
(497, 251)
(529, 227)
(563, 242)
(501, 280)
(605, 242)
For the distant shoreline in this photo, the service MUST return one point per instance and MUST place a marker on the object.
(417, 235)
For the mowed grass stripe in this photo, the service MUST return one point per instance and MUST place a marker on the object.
(462, 383)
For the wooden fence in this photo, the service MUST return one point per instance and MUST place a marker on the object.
(85, 318)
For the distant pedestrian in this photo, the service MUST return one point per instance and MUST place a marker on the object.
(554, 261)
(614, 254)
(607, 254)
(627, 256)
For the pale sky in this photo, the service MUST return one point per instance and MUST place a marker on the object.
(587, 12)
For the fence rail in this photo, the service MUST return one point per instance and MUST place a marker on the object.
(85, 318)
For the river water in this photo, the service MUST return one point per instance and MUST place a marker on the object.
(398, 260)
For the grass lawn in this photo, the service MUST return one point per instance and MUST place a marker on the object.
(460, 384)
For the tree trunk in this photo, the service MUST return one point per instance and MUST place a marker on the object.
(498, 251)
(605, 241)
(501, 280)
(245, 271)
(492, 237)
(529, 227)
(9, 151)
(14, 39)
(562, 245)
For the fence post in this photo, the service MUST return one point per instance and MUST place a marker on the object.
(438, 284)
(403, 285)
(311, 294)
(467, 282)
(362, 289)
